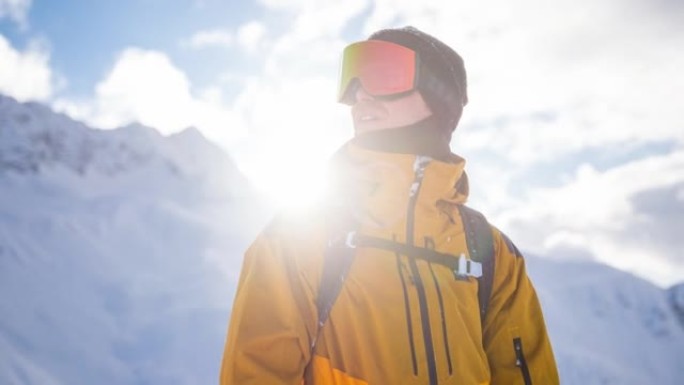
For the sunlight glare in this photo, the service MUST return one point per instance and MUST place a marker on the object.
(295, 183)
(287, 153)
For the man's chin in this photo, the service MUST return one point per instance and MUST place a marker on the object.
(363, 127)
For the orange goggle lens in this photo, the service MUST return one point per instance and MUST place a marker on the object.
(382, 68)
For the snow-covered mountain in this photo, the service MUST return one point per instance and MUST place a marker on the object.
(119, 255)
(33, 138)
(608, 326)
(119, 251)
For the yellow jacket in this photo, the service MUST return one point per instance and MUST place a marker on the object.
(396, 320)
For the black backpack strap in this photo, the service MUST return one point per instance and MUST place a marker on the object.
(337, 260)
(459, 265)
(480, 242)
(339, 256)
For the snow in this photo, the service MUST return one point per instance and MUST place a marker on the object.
(677, 301)
(607, 326)
(120, 251)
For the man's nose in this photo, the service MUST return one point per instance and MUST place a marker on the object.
(361, 93)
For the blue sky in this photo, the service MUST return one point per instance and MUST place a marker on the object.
(84, 36)
(574, 132)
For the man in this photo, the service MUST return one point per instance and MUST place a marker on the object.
(390, 283)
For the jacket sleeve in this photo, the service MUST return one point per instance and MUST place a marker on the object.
(272, 319)
(514, 334)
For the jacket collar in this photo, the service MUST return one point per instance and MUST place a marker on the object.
(376, 186)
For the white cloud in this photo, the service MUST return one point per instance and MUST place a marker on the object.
(293, 5)
(609, 215)
(210, 38)
(250, 35)
(25, 75)
(145, 86)
(15, 10)
(312, 44)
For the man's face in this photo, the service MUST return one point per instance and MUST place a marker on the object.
(373, 114)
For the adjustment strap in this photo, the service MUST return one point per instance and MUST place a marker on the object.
(480, 241)
(461, 266)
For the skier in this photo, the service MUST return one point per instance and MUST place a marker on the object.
(395, 280)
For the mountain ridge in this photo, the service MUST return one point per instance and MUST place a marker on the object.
(33, 139)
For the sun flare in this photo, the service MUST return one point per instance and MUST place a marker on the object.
(291, 176)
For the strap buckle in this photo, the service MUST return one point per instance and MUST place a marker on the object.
(468, 268)
(350, 240)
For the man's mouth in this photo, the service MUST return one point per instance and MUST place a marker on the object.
(365, 112)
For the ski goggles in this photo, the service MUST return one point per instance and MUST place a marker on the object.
(382, 68)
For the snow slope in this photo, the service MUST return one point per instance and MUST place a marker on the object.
(119, 255)
(119, 251)
(608, 326)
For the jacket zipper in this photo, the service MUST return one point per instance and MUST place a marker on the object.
(408, 316)
(419, 169)
(430, 244)
(520, 360)
(444, 326)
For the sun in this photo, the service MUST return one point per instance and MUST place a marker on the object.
(293, 134)
(290, 174)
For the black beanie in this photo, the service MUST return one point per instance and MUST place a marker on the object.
(442, 80)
